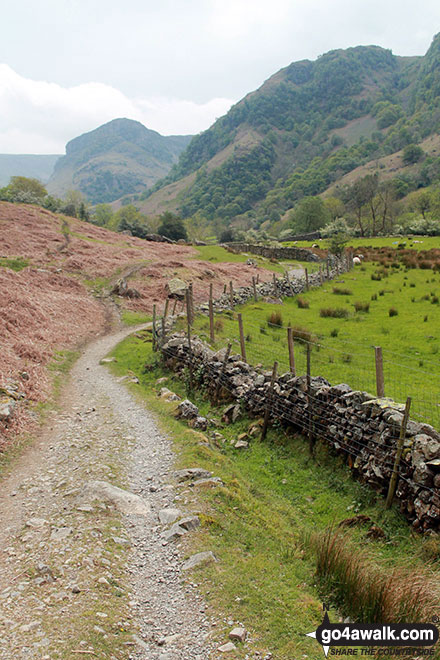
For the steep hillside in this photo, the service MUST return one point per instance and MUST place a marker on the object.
(119, 158)
(311, 123)
(37, 167)
(56, 275)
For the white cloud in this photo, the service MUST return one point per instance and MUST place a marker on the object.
(40, 117)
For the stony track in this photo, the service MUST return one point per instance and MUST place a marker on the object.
(67, 556)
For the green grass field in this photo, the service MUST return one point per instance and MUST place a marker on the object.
(415, 242)
(343, 348)
(259, 522)
(217, 254)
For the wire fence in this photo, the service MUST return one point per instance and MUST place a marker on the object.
(354, 364)
(336, 416)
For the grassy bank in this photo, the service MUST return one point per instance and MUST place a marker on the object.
(260, 522)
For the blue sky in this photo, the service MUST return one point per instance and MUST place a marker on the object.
(67, 66)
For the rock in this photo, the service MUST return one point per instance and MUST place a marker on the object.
(189, 523)
(60, 533)
(6, 409)
(120, 540)
(227, 648)
(123, 500)
(209, 482)
(180, 528)
(238, 634)
(200, 423)
(241, 442)
(76, 589)
(107, 360)
(174, 533)
(200, 559)
(192, 473)
(164, 379)
(187, 410)
(168, 395)
(36, 523)
(30, 626)
(168, 516)
(176, 288)
(231, 414)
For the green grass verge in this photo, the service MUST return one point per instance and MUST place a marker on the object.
(274, 496)
(134, 318)
(14, 263)
(344, 347)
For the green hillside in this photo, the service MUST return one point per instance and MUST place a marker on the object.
(117, 159)
(311, 124)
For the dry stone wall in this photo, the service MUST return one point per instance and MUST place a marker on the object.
(361, 428)
(302, 254)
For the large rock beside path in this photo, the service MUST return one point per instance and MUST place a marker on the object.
(123, 500)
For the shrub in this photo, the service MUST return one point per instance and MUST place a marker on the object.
(275, 318)
(369, 591)
(362, 306)
(334, 312)
(342, 292)
(302, 303)
(302, 334)
(393, 311)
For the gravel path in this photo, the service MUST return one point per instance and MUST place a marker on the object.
(62, 552)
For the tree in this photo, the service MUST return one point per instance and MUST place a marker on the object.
(335, 207)
(412, 154)
(420, 201)
(310, 215)
(172, 227)
(102, 215)
(25, 189)
(128, 218)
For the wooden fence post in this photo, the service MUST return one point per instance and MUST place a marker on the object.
(222, 372)
(190, 384)
(231, 294)
(211, 316)
(380, 383)
(154, 328)
(269, 401)
(164, 319)
(399, 450)
(191, 303)
(174, 307)
(242, 344)
(307, 278)
(254, 286)
(309, 398)
(291, 351)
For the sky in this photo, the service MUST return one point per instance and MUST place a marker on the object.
(68, 66)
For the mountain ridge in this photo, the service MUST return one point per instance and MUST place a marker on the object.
(119, 158)
(305, 136)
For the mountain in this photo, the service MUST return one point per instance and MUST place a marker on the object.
(37, 167)
(306, 127)
(119, 158)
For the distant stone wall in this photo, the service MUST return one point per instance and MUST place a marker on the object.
(301, 254)
(364, 430)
